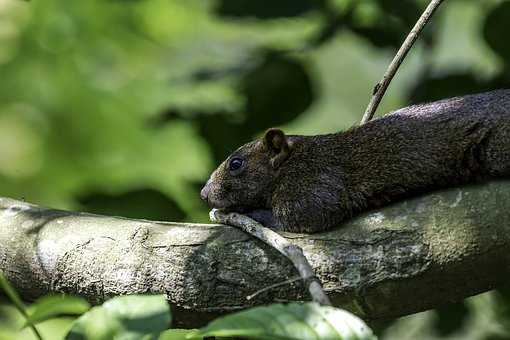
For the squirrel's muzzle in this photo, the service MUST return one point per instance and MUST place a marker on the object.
(204, 193)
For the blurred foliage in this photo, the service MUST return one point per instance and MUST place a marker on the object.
(124, 107)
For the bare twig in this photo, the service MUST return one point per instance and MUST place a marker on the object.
(289, 250)
(265, 289)
(382, 86)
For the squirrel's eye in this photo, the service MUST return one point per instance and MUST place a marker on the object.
(235, 164)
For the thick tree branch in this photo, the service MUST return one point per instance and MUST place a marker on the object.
(405, 258)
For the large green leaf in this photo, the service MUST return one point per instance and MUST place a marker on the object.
(55, 305)
(179, 334)
(6, 287)
(293, 321)
(124, 318)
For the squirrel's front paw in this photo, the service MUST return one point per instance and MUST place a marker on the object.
(264, 217)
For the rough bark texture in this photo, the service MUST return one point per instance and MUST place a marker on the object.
(405, 258)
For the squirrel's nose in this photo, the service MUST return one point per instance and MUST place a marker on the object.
(204, 193)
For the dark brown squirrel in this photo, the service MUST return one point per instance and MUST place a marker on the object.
(312, 183)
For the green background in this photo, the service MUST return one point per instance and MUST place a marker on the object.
(124, 107)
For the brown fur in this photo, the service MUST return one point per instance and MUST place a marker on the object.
(312, 183)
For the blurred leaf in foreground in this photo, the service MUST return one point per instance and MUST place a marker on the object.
(52, 306)
(125, 317)
(179, 334)
(293, 321)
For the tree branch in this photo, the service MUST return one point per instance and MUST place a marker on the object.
(405, 258)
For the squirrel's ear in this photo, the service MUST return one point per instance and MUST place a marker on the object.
(277, 144)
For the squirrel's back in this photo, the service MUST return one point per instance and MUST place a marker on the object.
(482, 118)
(412, 150)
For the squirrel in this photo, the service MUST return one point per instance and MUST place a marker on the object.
(310, 184)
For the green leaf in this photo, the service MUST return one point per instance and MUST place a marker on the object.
(124, 318)
(53, 306)
(293, 321)
(96, 324)
(11, 294)
(179, 334)
(16, 300)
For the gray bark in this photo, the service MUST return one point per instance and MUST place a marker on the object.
(404, 258)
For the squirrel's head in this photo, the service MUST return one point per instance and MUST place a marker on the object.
(245, 180)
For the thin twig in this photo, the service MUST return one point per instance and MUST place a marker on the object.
(289, 250)
(265, 289)
(382, 86)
